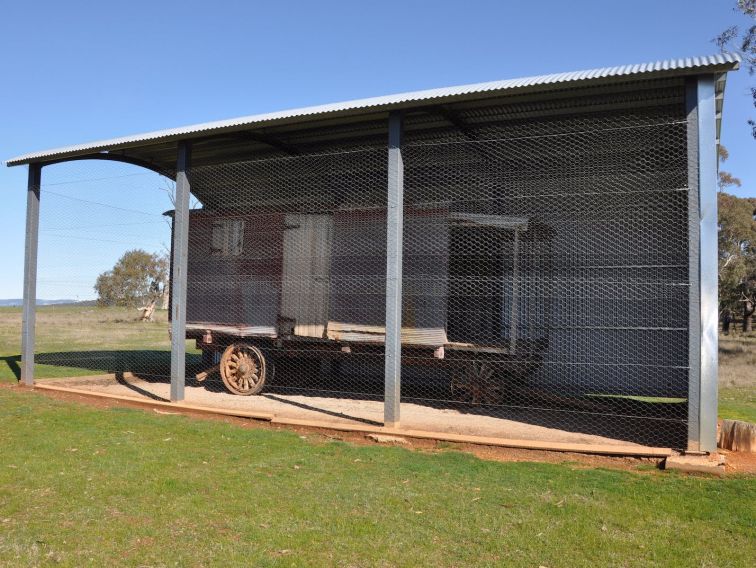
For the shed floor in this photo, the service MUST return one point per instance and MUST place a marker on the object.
(348, 411)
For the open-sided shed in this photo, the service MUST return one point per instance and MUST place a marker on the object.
(545, 245)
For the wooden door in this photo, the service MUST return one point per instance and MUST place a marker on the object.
(306, 272)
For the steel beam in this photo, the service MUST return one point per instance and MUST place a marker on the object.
(29, 316)
(468, 132)
(179, 259)
(694, 296)
(708, 261)
(271, 141)
(515, 317)
(114, 157)
(394, 240)
(703, 265)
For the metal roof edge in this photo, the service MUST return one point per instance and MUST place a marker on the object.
(719, 63)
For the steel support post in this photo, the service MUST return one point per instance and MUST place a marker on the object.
(394, 240)
(704, 302)
(709, 270)
(515, 316)
(178, 276)
(28, 334)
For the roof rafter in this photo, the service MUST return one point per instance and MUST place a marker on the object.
(111, 157)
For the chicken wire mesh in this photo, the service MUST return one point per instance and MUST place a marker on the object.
(545, 268)
(104, 246)
(286, 275)
(555, 251)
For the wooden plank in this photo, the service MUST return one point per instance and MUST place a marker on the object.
(340, 331)
(238, 330)
(148, 402)
(603, 449)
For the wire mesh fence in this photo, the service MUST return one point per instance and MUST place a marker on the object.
(545, 269)
(90, 321)
(286, 277)
(554, 254)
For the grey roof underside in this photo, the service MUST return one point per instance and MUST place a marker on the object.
(363, 110)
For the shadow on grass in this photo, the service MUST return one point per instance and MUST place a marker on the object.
(12, 363)
(141, 362)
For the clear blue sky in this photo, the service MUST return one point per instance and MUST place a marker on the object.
(77, 71)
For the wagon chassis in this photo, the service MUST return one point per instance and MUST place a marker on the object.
(247, 362)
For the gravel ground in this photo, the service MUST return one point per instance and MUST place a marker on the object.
(344, 410)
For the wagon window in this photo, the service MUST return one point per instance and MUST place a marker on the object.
(228, 237)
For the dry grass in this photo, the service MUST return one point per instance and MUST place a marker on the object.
(737, 376)
(737, 360)
(87, 340)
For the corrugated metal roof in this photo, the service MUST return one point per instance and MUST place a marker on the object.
(687, 66)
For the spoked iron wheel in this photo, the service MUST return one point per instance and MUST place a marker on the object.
(476, 383)
(243, 369)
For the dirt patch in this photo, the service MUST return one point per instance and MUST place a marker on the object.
(739, 462)
(532, 426)
(323, 435)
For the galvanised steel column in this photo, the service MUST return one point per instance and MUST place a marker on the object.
(703, 271)
(394, 240)
(178, 276)
(708, 261)
(30, 274)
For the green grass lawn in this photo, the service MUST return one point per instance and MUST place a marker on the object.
(83, 486)
(738, 403)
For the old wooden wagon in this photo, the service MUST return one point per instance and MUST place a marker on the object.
(267, 285)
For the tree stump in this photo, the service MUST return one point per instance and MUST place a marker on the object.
(147, 311)
(737, 436)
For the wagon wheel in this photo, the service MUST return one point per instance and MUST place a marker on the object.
(243, 369)
(476, 383)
